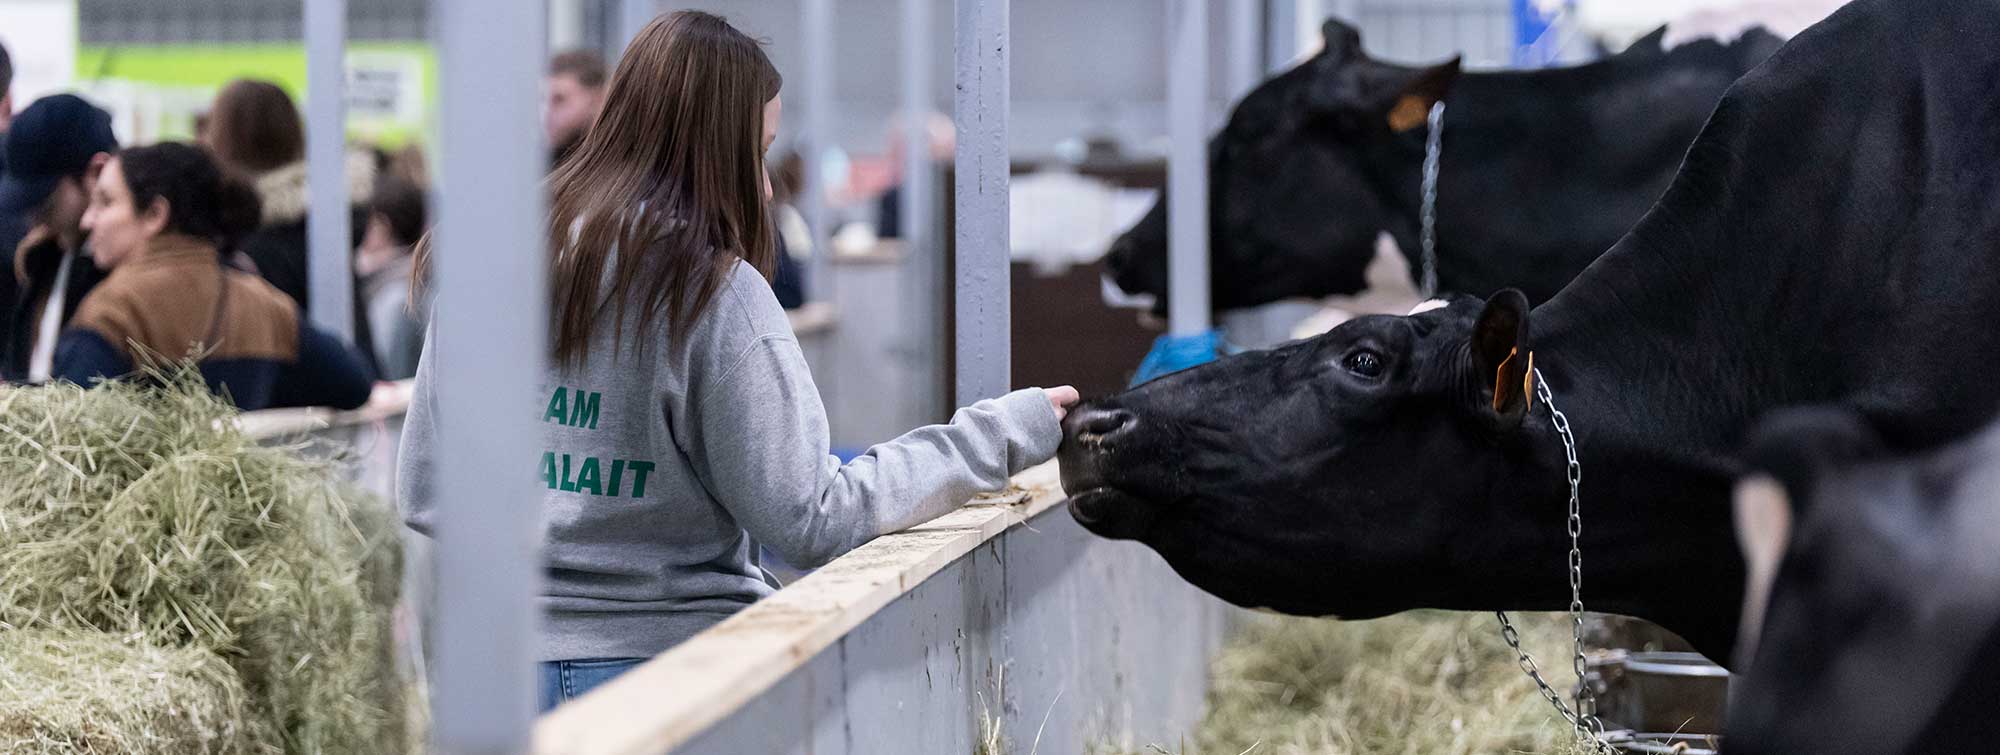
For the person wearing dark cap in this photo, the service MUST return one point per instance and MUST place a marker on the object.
(55, 149)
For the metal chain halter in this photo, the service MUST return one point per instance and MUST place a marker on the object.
(1433, 149)
(1583, 717)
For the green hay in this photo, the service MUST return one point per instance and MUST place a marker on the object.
(80, 692)
(142, 512)
(1420, 683)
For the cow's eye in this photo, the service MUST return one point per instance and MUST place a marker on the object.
(1367, 364)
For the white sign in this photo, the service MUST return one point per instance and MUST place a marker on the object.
(40, 36)
(385, 86)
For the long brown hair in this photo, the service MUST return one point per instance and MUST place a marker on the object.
(254, 128)
(671, 175)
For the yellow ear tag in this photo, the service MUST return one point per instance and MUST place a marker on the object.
(1410, 112)
(1500, 377)
(1528, 379)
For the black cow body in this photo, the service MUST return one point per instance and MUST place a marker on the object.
(1831, 239)
(1541, 170)
(1881, 633)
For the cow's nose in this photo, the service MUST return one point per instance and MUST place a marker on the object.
(1098, 426)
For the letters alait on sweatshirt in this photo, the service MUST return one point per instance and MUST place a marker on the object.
(588, 474)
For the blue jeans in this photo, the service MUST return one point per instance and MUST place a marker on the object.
(563, 681)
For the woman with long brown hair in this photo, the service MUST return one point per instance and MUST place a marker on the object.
(680, 423)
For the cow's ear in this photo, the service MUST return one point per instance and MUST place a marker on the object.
(1501, 353)
(1340, 41)
(1408, 99)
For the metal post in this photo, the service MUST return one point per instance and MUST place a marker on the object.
(1312, 13)
(1281, 33)
(490, 271)
(984, 342)
(1187, 167)
(565, 24)
(816, 28)
(633, 15)
(1246, 49)
(329, 248)
(922, 263)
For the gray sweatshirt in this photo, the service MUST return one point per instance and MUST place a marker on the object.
(658, 470)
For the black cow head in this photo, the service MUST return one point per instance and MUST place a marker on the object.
(1331, 476)
(1298, 190)
(1872, 617)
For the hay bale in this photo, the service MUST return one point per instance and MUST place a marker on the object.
(142, 511)
(1419, 683)
(91, 692)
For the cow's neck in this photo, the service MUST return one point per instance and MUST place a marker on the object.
(1661, 355)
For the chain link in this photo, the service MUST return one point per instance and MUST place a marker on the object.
(1433, 151)
(1583, 717)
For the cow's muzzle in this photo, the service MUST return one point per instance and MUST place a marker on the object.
(1092, 439)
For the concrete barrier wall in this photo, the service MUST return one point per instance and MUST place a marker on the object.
(995, 618)
(1051, 637)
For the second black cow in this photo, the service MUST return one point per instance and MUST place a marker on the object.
(1540, 171)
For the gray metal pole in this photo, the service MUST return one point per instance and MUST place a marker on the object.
(922, 262)
(329, 249)
(984, 341)
(490, 356)
(1246, 48)
(1187, 167)
(816, 28)
(1282, 40)
(565, 24)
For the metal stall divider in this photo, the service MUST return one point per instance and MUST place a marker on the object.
(984, 339)
(1191, 338)
(814, 141)
(923, 259)
(1187, 168)
(490, 357)
(330, 262)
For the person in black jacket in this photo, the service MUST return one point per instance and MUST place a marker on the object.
(158, 217)
(54, 149)
(254, 130)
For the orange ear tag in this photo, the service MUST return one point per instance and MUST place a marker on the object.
(1409, 112)
(1528, 379)
(1500, 377)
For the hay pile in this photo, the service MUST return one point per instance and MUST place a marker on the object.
(1421, 683)
(89, 692)
(141, 534)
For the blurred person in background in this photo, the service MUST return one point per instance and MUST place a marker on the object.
(680, 420)
(396, 219)
(158, 219)
(575, 93)
(55, 150)
(13, 225)
(6, 93)
(793, 237)
(255, 131)
(940, 141)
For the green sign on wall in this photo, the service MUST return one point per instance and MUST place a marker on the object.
(391, 86)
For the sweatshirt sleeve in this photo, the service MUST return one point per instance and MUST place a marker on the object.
(763, 453)
(415, 462)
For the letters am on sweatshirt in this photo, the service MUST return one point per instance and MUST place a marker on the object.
(577, 473)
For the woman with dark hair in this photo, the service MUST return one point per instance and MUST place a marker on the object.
(255, 131)
(680, 425)
(157, 219)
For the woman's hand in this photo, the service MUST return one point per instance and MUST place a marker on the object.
(1062, 397)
